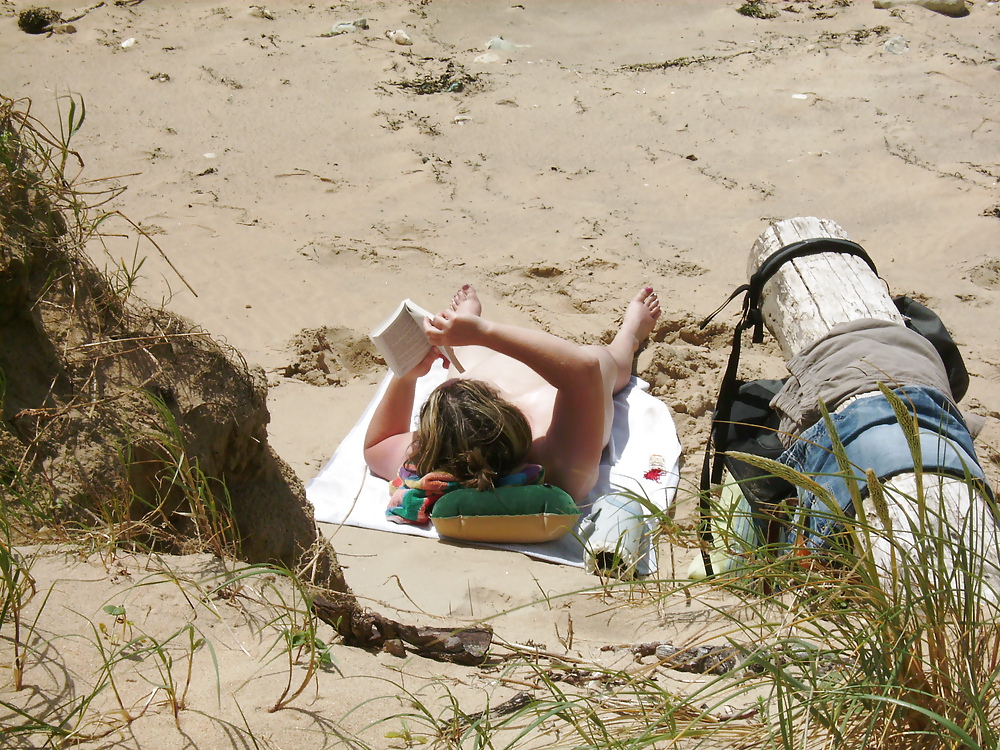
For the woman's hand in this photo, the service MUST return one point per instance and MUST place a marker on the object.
(425, 364)
(452, 328)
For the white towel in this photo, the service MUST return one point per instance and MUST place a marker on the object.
(345, 492)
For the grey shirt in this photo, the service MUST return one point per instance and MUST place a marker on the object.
(852, 359)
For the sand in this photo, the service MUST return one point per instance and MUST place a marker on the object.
(300, 186)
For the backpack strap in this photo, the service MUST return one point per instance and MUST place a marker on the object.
(711, 470)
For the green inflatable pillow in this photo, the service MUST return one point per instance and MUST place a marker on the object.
(524, 514)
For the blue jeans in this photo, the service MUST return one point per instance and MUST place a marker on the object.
(873, 439)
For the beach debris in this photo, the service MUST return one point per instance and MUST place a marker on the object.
(757, 9)
(486, 58)
(76, 15)
(896, 45)
(683, 62)
(347, 27)
(719, 660)
(515, 704)
(860, 36)
(498, 42)
(945, 7)
(46, 20)
(454, 79)
(130, 42)
(699, 659)
(224, 80)
(37, 20)
(399, 37)
(261, 12)
(161, 77)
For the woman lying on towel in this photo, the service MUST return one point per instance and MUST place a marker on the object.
(526, 397)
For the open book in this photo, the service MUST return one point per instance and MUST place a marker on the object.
(401, 340)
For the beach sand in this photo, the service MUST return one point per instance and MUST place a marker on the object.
(301, 184)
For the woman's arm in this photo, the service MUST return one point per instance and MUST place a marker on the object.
(563, 364)
(387, 442)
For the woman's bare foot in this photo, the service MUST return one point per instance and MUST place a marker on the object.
(466, 301)
(640, 317)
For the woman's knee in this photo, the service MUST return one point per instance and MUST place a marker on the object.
(608, 367)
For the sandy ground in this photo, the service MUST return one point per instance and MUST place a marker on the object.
(300, 184)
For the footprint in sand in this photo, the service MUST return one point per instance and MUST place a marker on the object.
(986, 274)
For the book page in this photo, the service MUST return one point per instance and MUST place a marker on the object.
(402, 343)
(417, 313)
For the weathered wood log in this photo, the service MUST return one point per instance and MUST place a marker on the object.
(367, 629)
(805, 299)
(808, 296)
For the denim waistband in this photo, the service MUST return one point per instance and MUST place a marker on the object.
(873, 439)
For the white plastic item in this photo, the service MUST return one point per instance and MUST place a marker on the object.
(896, 45)
(616, 534)
(399, 37)
(498, 42)
(734, 531)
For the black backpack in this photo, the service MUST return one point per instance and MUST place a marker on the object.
(743, 419)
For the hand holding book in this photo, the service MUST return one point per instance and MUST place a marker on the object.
(401, 339)
(455, 327)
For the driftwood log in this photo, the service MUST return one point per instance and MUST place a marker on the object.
(367, 629)
(808, 296)
(805, 299)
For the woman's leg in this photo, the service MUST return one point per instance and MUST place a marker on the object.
(640, 317)
(616, 358)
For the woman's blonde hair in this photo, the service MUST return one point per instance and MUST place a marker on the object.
(469, 430)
